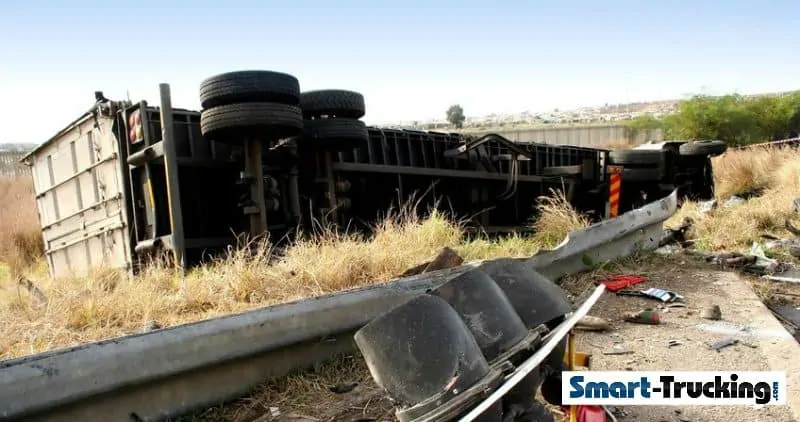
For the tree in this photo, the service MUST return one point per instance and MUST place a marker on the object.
(735, 119)
(455, 115)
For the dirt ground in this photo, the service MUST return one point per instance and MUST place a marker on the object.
(766, 346)
(344, 391)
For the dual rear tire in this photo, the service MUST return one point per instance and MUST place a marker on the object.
(268, 106)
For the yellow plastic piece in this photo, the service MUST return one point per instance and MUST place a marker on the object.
(574, 359)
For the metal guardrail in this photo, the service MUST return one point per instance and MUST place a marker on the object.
(176, 370)
(791, 142)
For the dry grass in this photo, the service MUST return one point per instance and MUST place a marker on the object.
(106, 304)
(297, 396)
(20, 238)
(556, 219)
(775, 171)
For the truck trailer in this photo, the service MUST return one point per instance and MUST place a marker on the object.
(126, 182)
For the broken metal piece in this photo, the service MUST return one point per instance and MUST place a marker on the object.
(634, 293)
(618, 349)
(662, 295)
(724, 343)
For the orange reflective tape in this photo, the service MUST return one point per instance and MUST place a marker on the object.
(615, 185)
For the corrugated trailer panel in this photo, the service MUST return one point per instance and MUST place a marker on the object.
(79, 189)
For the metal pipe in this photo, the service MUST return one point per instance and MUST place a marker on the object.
(171, 168)
(254, 171)
(294, 194)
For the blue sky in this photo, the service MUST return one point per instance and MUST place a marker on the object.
(410, 59)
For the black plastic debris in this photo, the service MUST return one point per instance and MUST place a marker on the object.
(425, 357)
(498, 330)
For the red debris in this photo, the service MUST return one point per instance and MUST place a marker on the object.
(619, 282)
(643, 317)
(591, 414)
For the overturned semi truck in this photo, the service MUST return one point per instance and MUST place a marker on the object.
(126, 181)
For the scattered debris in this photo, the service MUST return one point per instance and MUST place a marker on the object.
(673, 343)
(789, 316)
(668, 249)
(730, 341)
(618, 349)
(447, 258)
(302, 418)
(591, 413)
(790, 276)
(735, 259)
(665, 296)
(707, 206)
(756, 261)
(764, 264)
(344, 387)
(151, 325)
(592, 323)
(662, 295)
(617, 412)
(667, 307)
(733, 201)
(643, 317)
(37, 294)
(619, 282)
(678, 234)
(754, 192)
(792, 246)
(712, 312)
(273, 413)
(635, 293)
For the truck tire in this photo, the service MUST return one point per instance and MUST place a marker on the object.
(249, 86)
(335, 102)
(641, 175)
(269, 120)
(703, 148)
(636, 157)
(335, 134)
